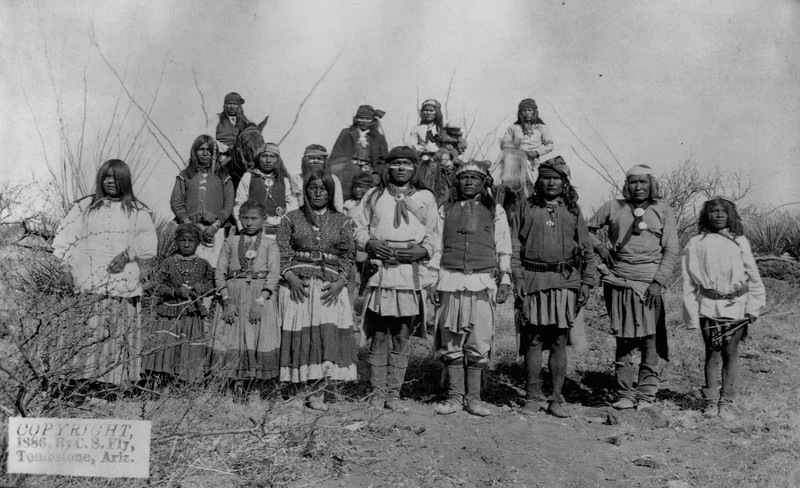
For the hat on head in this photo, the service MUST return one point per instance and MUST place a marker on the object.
(481, 167)
(364, 178)
(432, 102)
(234, 97)
(269, 148)
(555, 165)
(528, 103)
(402, 152)
(365, 111)
(639, 169)
(315, 150)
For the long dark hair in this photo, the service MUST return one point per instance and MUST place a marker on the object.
(327, 182)
(192, 167)
(569, 194)
(416, 181)
(734, 224)
(438, 121)
(535, 120)
(280, 170)
(122, 175)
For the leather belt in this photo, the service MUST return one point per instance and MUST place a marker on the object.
(715, 295)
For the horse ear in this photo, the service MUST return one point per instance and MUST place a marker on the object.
(263, 123)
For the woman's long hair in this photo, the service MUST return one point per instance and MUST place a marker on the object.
(327, 182)
(122, 175)
(734, 225)
(569, 194)
(416, 181)
(192, 167)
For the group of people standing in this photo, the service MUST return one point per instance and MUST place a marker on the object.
(284, 275)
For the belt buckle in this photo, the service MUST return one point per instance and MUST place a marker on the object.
(317, 257)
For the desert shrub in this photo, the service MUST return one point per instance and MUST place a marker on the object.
(775, 236)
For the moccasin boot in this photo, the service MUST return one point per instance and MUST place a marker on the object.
(473, 403)
(377, 378)
(726, 409)
(455, 389)
(556, 409)
(624, 404)
(398, 363)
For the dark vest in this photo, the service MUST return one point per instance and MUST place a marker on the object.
(258, 192)
(468, 248)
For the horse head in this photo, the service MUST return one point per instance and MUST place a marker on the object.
(247, 143)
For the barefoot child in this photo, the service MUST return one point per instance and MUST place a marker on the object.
(246, 338)
(178, 336)
(476, 255)
(553, 268)
(722, 294)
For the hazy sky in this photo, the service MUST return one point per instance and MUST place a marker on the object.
(718, 82)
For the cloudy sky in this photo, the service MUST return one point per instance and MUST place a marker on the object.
(661, 82)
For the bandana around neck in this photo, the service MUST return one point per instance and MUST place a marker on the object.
(401, 195)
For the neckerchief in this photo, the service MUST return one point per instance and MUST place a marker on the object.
(401, 207)
(362, 138)
(527, 128)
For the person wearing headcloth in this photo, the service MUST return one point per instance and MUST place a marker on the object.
(359, 148)
(270, 184)
(529, 133)
(553, 269)
(315, 157)
(474, 274)
(398, 226)
(433, 136)
(203, 195)
(231, 122)
(639, 257)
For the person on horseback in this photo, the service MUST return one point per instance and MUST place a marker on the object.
(359, 148)
(232, 122)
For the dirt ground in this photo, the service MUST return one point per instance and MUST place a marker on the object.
(201, 438)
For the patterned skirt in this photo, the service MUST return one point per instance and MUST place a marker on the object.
(246, 350)
(177, 346)
(318, 340)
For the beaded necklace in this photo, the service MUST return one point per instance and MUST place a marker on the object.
(248, 250)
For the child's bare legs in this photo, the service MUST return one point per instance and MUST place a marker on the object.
(722, 359)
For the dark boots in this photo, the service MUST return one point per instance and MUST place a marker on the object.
(455, 388)
(377, 377)
(398, 363)
(473, 403)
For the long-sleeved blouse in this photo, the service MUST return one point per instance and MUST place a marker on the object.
(323, 249)
(233, 258)
(203, 198)
(538, 139)
(725, 265)
(644, 258)
(375, 220)
(89, 239)
(243, 194)
(553, 235)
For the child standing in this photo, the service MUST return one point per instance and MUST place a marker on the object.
(553, 268)
(244, 346)
(722, 294)
(476, 251)
(178, 335)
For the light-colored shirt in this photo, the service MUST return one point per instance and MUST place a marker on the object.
(725, 265)
(450, 280)
(538, 140)
(375, 220)
(243, 194)
(88, 241)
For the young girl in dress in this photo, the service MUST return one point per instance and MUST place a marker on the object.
(553, 269)
(178, 336)
(269, 183)
(246, 338)
(722, 294)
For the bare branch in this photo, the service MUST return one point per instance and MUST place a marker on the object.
(449, 86)
(202, 98)
(313, 88)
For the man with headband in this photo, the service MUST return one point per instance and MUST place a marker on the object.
(640, 254)
(476, 257)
